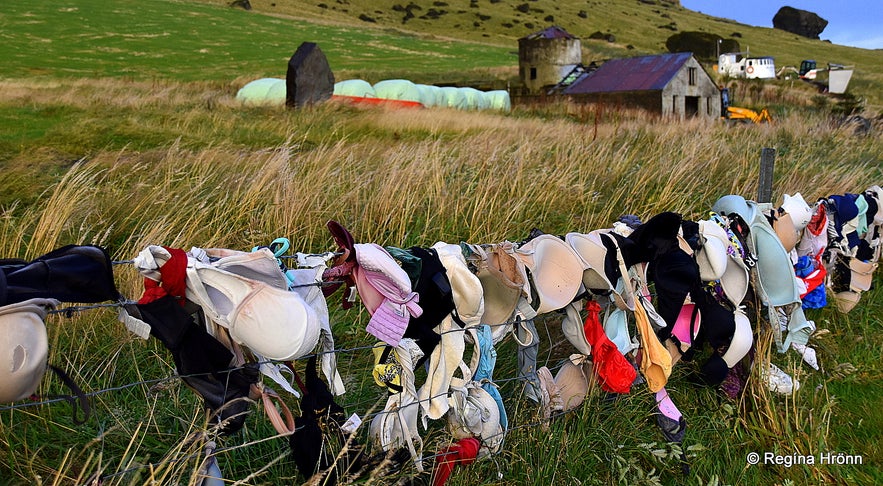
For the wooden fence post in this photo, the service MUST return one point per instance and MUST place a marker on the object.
(765, 182)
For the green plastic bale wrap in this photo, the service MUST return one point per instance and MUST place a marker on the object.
(264, 91)
(398, 89)
(475, 99)
(432, 95)
(454, 98)
(354, 87)
(499, 100)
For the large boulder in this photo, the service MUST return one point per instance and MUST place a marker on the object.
(309, 79)
(800, 22)
(245, 4)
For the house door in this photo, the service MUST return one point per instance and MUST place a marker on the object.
(691, 106)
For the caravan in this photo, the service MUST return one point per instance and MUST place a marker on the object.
(736, 66)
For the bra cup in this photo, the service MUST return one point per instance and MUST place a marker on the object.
(591, 254)
(275, 323)
(500, 300)
(257, 265)
(590, 249)
(734, 203)
(681, 329)
(224, 289)
(219, 300)
(24, 347)
(775, 273)
(556, 271)
(396, 424)
(741, 342)
(616, 329)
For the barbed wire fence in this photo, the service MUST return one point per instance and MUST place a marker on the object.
(183, 458)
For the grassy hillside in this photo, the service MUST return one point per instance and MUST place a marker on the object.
(638, 27)
(158, 39)
(208, 40)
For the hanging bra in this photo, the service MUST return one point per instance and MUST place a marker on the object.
(274, 323)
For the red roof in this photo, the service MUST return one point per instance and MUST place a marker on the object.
(645, 73)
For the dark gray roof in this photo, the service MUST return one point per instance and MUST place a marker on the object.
(553, 32)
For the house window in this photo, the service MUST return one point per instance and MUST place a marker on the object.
(691, 72)
(533, 73)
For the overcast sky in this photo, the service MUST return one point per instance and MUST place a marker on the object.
(857, 23)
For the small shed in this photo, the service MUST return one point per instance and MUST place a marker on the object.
(665, 84)
(546, 56)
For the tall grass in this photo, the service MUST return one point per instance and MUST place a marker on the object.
(186, 176)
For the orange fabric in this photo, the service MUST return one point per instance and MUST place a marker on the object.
(361, 100)
(656, 360)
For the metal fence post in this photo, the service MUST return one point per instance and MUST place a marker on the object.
(765, 182)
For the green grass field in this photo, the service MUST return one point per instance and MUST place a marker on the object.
(157, 39)
(125, 150)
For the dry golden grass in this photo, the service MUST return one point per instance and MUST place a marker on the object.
(419, 176)
(393, 177)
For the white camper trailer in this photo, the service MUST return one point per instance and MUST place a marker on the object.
(747, 67)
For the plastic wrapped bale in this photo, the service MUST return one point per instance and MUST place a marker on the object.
(484, 101)
(398, 89)
(264, 91)
(431, 95)
(354, 87)
(454, 98)
(441, 99)
(475, 99)
(499, 100)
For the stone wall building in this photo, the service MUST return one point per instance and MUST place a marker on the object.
(545, 57)
(673, 85)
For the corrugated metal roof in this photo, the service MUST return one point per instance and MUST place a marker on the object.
(553, 32)
(645, 73)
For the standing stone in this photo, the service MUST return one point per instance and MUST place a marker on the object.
(309, 79)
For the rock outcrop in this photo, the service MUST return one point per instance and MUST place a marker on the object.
(800, 22)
